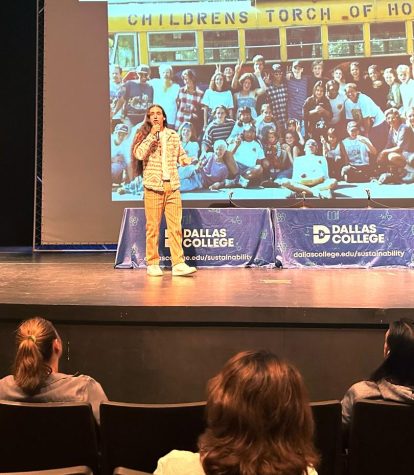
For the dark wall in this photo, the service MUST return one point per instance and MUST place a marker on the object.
(17, 121)
(166, 364)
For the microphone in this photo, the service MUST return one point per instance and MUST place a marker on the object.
(157, 135)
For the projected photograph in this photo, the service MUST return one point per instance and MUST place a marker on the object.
(271, 100)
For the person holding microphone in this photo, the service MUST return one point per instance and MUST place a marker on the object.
(158, 150)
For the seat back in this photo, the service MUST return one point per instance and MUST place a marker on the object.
(381, 438)
(79, 470)
(137, 435)
(41, 436)
(327, 417)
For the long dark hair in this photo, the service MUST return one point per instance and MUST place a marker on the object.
(141, 134)
(34, 349)
(258, 419)
(398, 364)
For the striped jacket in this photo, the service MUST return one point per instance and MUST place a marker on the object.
(150, 154)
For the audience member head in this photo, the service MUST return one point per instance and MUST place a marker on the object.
(246, 81)
(332, 136)
(258, 418)
(220, 114)
(374, 72)
(317, 68)
(244, 115)
(116, 73)
(220, 148)
(270, 136)
(259, 62)
(38, 349)
(398, 364)
(332, 89)
(186, 132)
(403, 73)
(318, 90)
(355, 71)
(189, 77)
(311, 147)
(352, 129)
(390, 76)
(338, 74)
(166, 71)
(392, 117)
(217, 82)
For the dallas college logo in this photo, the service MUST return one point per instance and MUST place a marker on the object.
(346, 234)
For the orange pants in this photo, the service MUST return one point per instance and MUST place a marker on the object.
(156, 203)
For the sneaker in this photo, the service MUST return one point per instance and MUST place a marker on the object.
(183, 269)
(154, 270)
(243, 182)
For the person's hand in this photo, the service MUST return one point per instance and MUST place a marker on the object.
(238, 140)
(237, 67)
(286, 147)
(155, 128)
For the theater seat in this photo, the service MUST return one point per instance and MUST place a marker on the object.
(327, 417)
(137, 435)
(79, 470)
(41, 436)
(128, 471)
(381, 438)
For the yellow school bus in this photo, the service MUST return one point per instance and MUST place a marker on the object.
(197, 34)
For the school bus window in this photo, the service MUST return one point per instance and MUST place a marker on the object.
(388, 38)
(303, 42)
(345, 40)
(263, 41)
(221, 46)
(124, 51)
(175, 48)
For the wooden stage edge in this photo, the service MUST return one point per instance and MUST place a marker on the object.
(85, 288)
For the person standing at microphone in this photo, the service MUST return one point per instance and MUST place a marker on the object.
(158, 150)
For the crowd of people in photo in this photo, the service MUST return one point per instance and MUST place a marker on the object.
(265, 126)
(258, 417)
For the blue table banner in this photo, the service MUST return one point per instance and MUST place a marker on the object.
(344, 237)
(212, 237)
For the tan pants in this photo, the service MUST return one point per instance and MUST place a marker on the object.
(156, 203)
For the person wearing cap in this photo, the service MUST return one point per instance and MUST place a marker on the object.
(120, 156)
(158, 151)
(297, 87)
(359, 152)
(277, 97)
(310, 174)
(244, 119)
(137, 95)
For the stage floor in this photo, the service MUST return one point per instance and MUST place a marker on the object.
(86, 287)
